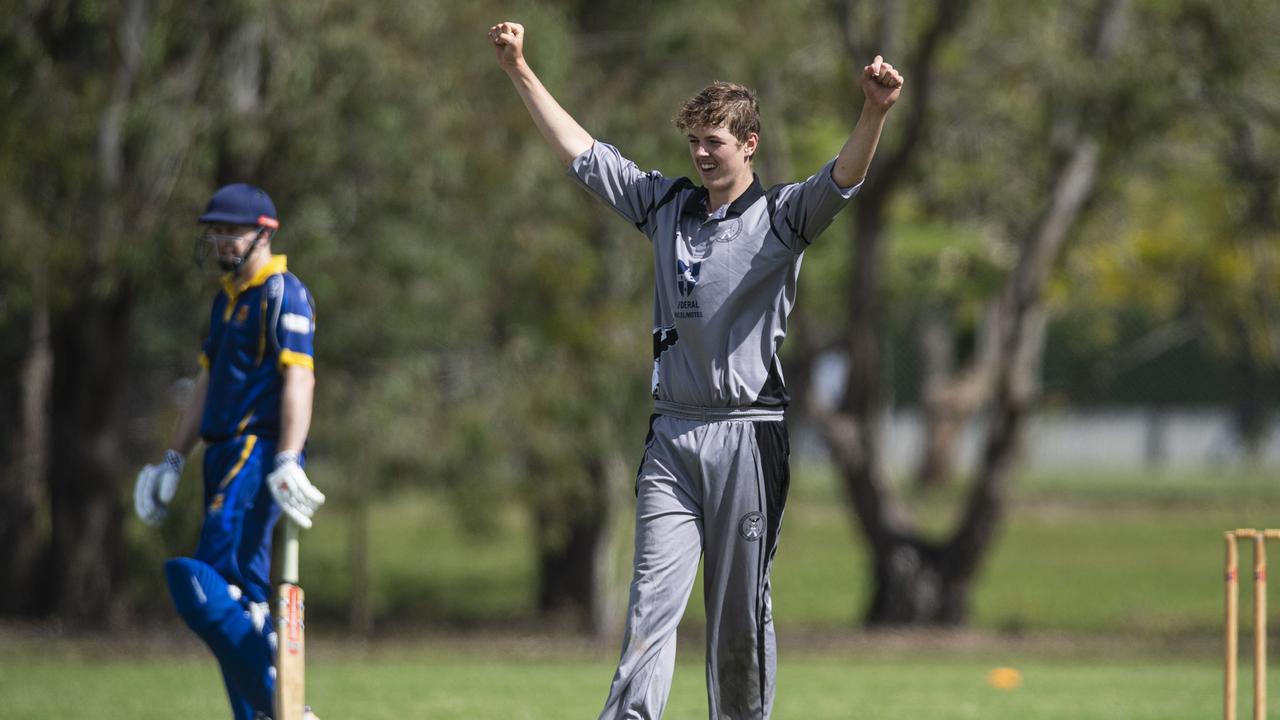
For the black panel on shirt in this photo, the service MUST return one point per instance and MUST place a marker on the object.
(774, 393)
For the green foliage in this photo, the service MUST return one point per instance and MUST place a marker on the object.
(482, 323)
(1189, 235)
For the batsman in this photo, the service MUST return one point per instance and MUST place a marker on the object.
(714, 477)
(251, 405)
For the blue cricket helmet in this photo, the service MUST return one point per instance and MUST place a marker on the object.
(241, 204)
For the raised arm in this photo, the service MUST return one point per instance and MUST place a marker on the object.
(881, 86)
(565, 136)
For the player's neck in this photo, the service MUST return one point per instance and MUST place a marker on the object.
(717, 197)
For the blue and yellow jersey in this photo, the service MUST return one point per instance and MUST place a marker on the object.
(256, 328)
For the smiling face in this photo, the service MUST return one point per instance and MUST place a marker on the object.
(722, 124)
(722, 160)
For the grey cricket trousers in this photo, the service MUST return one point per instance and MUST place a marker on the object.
(717, 488)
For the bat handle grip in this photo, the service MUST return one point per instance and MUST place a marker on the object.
(289, 565)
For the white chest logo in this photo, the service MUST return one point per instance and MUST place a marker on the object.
(727, 231)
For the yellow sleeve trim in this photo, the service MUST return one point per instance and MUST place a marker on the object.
(289, 357)
(204, 361)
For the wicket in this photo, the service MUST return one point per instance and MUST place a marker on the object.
(1259, 538)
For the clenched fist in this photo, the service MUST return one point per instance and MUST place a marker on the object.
(881, 83)
(508, 43)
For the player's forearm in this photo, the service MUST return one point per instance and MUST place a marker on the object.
(296, 400)
(566, 137)
(188, 429)
(855, 157)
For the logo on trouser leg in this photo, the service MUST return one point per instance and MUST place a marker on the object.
(751, 526)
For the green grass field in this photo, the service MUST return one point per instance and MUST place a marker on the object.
(1088, 553)
(1104, 592)
(446, 679)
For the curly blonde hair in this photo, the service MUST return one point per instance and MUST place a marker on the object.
(722, 104)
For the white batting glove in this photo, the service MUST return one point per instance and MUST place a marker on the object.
(295, 494)
(155, 488)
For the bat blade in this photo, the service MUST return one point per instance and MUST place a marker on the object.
(290, 634)
(290, 653)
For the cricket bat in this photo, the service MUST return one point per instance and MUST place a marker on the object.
(290, 632)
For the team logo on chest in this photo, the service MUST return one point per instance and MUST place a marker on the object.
(687, 277)
(727, 231)
(686, 281)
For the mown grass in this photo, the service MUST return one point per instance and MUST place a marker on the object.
(1081, 553)
(446, 682)
(1103, 590)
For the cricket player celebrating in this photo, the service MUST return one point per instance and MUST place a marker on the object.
(714, 475)
(252, 407)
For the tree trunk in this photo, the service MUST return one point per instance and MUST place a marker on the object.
(912, 586)
(91, 341)
(943, 420)
(568, 548)
(1022, 336)
(60, 503)
(919, 582)
(85, 464)
(905, 589)
(24, 514)
(951, 397)
(853, 433)
(943, 426)
(864, 396)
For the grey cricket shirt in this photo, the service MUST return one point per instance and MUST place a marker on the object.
(724, 282)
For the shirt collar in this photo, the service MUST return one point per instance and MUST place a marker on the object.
(276, 265)
(697, 200)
